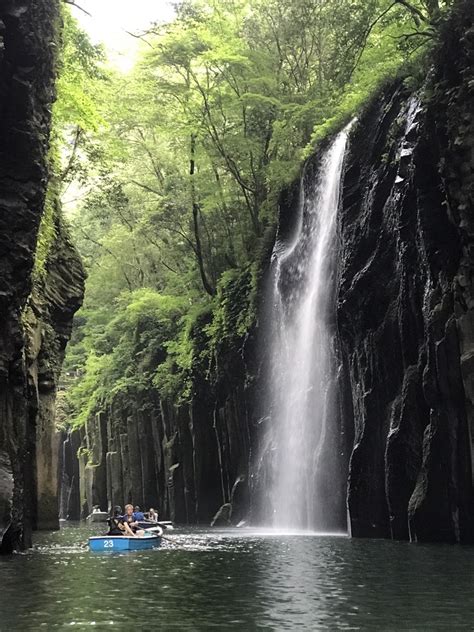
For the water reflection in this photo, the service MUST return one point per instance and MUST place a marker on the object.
(238, 580)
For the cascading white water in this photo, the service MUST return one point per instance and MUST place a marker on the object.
(303, 365)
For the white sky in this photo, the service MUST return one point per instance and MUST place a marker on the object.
(112, 18)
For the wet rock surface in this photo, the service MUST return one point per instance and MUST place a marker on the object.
(35, 317)
(405, 304)
(26, 93)
(185, 461)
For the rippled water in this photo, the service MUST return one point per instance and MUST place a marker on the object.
(238, 580)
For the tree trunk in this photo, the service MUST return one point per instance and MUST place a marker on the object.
(198, 250)
(433, 8)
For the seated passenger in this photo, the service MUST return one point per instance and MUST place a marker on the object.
(116, 524)
(152, 515)
(138, 515)
(130, 522)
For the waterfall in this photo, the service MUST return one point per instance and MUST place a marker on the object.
(302, 377)
(64, 486)
(69, 493)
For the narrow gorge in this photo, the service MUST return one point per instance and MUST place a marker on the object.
(329, 377)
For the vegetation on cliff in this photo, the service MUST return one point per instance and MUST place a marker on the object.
(178, 166)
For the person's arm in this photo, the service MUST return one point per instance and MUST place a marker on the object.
(128, 531)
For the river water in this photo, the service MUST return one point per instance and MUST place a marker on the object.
(238, 579)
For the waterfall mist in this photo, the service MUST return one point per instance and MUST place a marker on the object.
(303, 453)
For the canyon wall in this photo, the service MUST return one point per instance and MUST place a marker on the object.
(35, 309)
(405, 303)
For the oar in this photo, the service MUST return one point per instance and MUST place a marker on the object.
(158, 530)
(165, 524)
(155, 529)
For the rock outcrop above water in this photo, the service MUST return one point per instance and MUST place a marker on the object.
(34, 323)
(406, 303)
(55, 298)
(184, 461)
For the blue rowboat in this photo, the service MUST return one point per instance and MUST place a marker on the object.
(123, 543)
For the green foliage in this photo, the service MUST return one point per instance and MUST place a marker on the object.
(119, 354)
(234, 311)
(187, 357)
(79, 85)
(80, 77)
(180, 163)
(387, 54)
(48, 232)
(207, 332)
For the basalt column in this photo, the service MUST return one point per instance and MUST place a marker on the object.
(405, 304)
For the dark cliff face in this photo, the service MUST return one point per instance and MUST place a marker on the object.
(26, 93)
(405, 303)
(47, 325)
(33, 326)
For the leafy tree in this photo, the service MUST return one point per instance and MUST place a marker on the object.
(181, 162)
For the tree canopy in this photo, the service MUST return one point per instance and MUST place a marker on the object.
(175, 168)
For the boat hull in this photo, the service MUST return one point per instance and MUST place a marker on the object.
(114, 543)
(98, 516)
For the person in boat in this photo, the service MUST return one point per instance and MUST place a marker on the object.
(131, 523)
(139, 515)
(116, 524)
(152, 515)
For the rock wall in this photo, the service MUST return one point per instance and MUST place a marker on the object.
(69, 491)
(34, 324)
(184, 461)
(47, 324)
(405, 303)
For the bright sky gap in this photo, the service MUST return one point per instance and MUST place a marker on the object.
(109, 21)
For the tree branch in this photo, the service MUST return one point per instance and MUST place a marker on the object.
(146, 187)
(415, 11)
(73, 4)
(112, 254)
(140, 37)
(365, 36)
(75, 146)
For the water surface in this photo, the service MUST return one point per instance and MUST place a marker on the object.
(238, 580)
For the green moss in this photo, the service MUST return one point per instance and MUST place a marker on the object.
(234, 311)
(48, 233)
